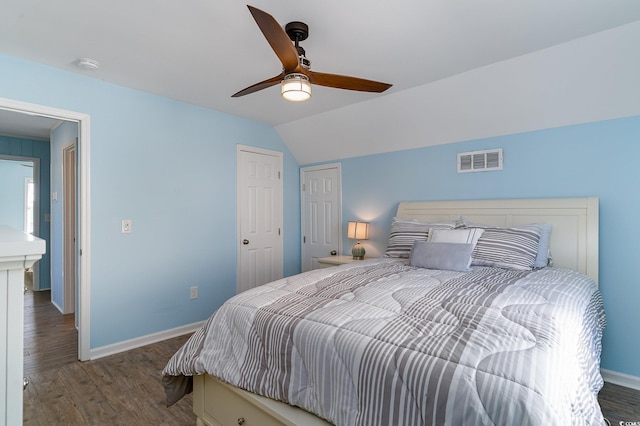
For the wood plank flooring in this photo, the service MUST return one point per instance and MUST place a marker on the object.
(122, 389)
(50, 338)
(619, 404)
(126, 389)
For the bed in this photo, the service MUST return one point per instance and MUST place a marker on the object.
(401, 340)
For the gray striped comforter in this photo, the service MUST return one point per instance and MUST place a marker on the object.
(381, 342)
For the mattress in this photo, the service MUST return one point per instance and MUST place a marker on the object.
(380, 342)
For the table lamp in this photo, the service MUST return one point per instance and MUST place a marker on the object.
(358, 231)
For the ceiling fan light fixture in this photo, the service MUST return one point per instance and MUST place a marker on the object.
(296, 74)
(296, 87)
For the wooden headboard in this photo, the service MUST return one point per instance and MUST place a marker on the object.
(574, 237)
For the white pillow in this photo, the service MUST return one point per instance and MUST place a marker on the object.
(458, 236)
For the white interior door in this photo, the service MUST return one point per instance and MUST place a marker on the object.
(260, 247)
(321, 213)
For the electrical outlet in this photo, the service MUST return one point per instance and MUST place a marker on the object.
(126, 226)
(193, 292)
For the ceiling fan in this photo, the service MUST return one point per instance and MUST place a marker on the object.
(296, 76)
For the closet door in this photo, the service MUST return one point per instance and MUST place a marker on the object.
(321, 213)
(260, 246)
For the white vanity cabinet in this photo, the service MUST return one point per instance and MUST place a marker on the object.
(17, 252)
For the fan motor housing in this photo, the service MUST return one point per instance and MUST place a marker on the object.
(297, 31)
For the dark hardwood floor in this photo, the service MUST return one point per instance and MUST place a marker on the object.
(126, 389)
(619, 404)
(50, 338)
(122, 389)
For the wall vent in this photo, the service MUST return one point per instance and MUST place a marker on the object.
(480, 161)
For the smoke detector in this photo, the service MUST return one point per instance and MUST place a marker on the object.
(88, 64)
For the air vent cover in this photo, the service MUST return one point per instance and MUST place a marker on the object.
(480, 161)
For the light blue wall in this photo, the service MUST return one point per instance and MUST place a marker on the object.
(35, 149)
(61, 137)
(170, 167)
(598, 159)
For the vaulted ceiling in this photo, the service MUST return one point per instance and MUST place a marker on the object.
(203, 51)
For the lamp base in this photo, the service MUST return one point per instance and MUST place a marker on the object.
(357, 252)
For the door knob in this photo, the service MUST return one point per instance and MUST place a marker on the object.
(245, 241)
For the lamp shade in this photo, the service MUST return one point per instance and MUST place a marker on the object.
(358, 230)
(296, 87)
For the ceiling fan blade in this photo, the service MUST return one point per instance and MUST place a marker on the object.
(259, 86)
(346, 82)
(277, 38)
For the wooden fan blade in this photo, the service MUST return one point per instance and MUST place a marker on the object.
(277, 38)
(346, 82)
(259, 86)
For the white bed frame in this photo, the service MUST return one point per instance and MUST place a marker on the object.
(574, 245)
(574, 236)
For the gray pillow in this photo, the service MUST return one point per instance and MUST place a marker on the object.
(542, 258)
(447, 256)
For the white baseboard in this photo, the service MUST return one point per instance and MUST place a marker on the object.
(621, 379)
(143, 341)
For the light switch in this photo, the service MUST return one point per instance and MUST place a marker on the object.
(126, 226)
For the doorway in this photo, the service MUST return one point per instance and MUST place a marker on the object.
(26, 207)
(26, 111)
(260, 216)
(321, 221)
(29, 201)
(69, 227)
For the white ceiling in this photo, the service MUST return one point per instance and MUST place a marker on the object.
(25, 125)
(203, 51)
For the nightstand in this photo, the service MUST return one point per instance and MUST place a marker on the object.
(329, 261)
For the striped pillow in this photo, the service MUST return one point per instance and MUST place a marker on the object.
(510, 248)
(544, 252)
(405, 232)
